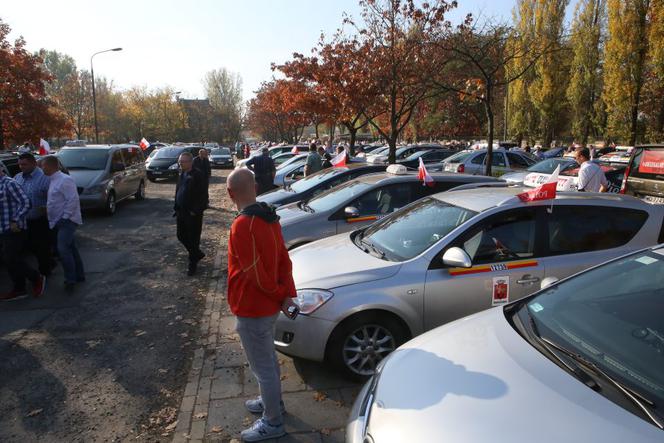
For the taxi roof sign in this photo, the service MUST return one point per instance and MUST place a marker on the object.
(397, 170)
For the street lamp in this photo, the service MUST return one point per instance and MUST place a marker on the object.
(94, 95)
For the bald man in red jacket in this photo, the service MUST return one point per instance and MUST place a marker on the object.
(260, 284)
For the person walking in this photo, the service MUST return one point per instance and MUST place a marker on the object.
(314, 162)
(14, 206)
(325, 158)
(63, 209)
(260, 284)
(591, 177)
(35, 185)
(264, 170)
(189, 205)
(202, 163)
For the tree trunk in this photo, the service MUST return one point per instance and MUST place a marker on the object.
(333, 129)
(488, 107)
(353, 136)
(317, 135)
(2, 136)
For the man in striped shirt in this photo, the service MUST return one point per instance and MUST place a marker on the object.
(14, 206)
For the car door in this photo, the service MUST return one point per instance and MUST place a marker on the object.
(517, 162)
(578, 237)
(498, 164)
(504, 249)
(374, 204)
(475, 165)
(117, 170)
(132, 175)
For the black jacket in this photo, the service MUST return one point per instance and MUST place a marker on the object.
(195, 197)
(203, 165)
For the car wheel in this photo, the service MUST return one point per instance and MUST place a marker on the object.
(110, 204)
(140, 192)
(360, 343)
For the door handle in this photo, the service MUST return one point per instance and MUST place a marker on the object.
(528, 280)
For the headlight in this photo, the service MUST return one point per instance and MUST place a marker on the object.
(311, 299)
(174, 166)
(96, 189)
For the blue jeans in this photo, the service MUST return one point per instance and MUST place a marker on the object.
(69, 256)
(257, 336)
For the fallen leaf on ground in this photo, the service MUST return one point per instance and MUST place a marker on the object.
(319, 396)
(178, 317)
(246, 421)
(92, 343)
(283, 377)
(163, 371)
(216, 429)
(325, 431)
(200, 415)
(139, 332)
(184, 335)
(168, 307)
(171, 427)
(35, 412)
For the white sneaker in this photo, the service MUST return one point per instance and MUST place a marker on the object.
(262, 430)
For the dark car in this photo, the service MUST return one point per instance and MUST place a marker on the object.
(164, 164)
(9, 164)
(644, 176)
(221, 158)
(317, 183)
(430, 156)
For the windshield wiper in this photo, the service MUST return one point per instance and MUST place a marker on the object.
(646, 405)
(305, 207)
(372, 247)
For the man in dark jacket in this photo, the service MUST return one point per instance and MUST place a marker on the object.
(202, 163)
(190, 202)
(263, 168)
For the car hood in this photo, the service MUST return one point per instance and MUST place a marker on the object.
(162, 162)
(291, 213)
(514, 177)
(84, 178)
(477, 380)
(224, 156)
(278, 197)
(334, 262)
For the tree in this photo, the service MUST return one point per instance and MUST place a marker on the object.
(653, 102)
(585, 83)
(25, 110)
(224, 90)
(275, 112)
(625, 63)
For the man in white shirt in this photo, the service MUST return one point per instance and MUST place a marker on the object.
(63, 208)
(591, 177)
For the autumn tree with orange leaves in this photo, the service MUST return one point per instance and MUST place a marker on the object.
(25, 111)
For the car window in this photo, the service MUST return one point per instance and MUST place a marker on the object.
(478, 160)
(169, 152)
(574, 229)
(131, 156)
(498, 159)
(516, 161)
(332, 198)
(116, 158)
(648, 163)
(92, 159)
(504, 237)
(383, 200)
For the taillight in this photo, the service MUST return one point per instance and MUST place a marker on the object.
(461, 168)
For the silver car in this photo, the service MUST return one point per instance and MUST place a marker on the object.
(444, 257)
(474, 162)
(580, 361)
(291, 170)
(546, 166)
(360, 202)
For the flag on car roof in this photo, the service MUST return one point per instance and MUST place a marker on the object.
(423, 174)
(339, 160)
(144, 144)
(44, 147)
(546, 191)
(295, 150)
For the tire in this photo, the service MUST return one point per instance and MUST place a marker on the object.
(140, 192)
(111, 204)
(358, 332)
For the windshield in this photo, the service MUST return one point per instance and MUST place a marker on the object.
(292, 160)
(169, 153)
(314, 180)
(416, 155)
(338, 195)
(414, 229)
(94, 159)
(381, 151)
(612, 316)
(459, 157)
(221, 151)
(550, 165)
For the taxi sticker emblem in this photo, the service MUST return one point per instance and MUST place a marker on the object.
(501, 291)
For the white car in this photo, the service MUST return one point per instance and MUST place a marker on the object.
(580, 361)
(474, 162)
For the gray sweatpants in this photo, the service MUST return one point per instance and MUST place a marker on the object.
(257, 336)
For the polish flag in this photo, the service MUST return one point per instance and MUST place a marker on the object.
(44, 147)
(144, 144)
(423, 175)
(295, 150)
(547, 191)
(340, 160)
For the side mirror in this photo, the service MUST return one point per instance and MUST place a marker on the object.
(351, 212)
(548, 281)
(457, 258)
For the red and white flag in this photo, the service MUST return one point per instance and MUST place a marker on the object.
(423, 175)
(339, 160)
(144, 144)
(44, 147)
(295, 150)
(546, 191)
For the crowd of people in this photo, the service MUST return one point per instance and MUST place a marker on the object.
(39, 212)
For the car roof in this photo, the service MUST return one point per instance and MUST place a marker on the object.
(480, 200)
(99, 147)
(410, 176)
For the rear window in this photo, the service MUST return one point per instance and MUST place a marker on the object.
(648, 163)
(459, 157)
(574, 229)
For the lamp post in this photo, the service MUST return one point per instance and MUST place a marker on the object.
(94, 95)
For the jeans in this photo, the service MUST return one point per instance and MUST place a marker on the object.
(40, 244)
(69, 256)
(189, 233)
(12, 244)
(257, 336)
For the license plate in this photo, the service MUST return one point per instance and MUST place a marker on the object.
(656, 200)
(156, 172)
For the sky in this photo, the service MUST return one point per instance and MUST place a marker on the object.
(174, 43)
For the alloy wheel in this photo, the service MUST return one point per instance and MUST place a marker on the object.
(365, 347)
